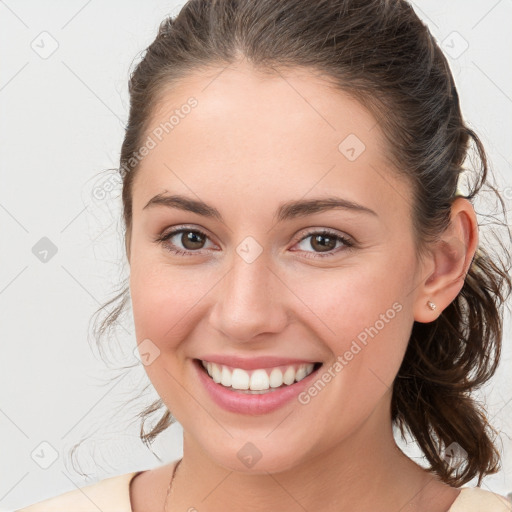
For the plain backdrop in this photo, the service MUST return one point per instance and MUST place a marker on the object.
(64, 68)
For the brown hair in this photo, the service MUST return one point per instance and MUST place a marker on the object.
(381, 53)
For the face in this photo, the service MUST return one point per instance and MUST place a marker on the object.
(250, 276)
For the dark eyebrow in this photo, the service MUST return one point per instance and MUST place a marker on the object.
(185, 203)
(303, 207)
(286, 211)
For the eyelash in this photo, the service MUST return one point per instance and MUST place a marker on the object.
(163, 238)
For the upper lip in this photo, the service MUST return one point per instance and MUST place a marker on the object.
(253, 363)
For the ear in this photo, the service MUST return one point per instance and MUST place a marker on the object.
(448, 262)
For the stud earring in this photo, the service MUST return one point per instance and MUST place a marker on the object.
(431, 305)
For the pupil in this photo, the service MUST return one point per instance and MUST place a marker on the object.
(190, 238)
(331, 243)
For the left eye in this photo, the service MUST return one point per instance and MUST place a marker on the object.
(325, 242)
(193, 241)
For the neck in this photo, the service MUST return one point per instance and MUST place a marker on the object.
(364, 471)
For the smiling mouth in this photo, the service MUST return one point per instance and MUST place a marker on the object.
(257, 381)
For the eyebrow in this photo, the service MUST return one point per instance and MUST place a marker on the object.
(286, 211)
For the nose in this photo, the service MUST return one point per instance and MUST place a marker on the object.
(250, 301)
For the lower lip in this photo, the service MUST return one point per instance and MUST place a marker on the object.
(250, 404)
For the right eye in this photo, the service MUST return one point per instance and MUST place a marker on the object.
(190, 239)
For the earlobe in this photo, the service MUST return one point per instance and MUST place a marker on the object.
(431, 305)
(451, 257)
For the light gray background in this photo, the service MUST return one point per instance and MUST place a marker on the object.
(62, 119)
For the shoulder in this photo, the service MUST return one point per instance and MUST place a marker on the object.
(475, 499)
(108, 495)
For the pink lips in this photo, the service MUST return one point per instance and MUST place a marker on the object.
(251, 404)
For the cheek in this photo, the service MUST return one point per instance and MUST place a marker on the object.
(350, 301)
(166, 303)
(364, 317)
(366, 328)
(164, 298)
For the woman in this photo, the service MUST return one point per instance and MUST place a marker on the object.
(305, 265)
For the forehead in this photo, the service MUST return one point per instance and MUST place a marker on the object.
(255, 135)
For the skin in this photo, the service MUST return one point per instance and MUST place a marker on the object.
(252, 143)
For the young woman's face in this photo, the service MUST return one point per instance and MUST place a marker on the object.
(257, 278)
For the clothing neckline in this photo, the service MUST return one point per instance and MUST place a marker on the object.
(176, 462)
(132, 475)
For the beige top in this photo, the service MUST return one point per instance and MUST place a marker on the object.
(113, 495)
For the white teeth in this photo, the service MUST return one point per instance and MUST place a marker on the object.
(215, 372)
(225, 378)
(289, 376)
(259, 380)
(239, 378)
(301, 373)
(276, 378)
(256, 380)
